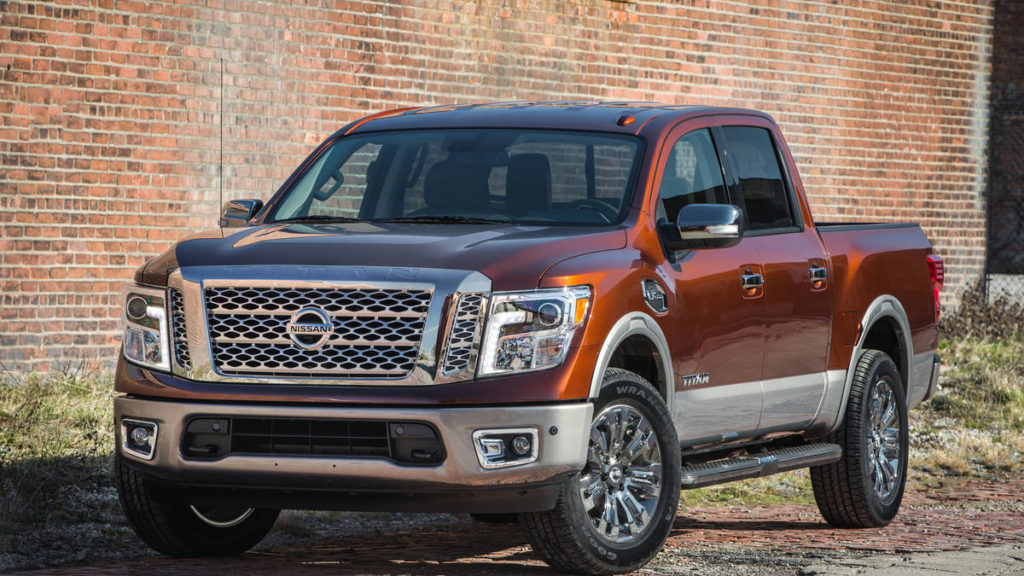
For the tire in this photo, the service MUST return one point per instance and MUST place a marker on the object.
(179, 529)
(863, 490)
(576, 536)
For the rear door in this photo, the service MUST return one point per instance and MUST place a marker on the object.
(718, 359)
(797, 292)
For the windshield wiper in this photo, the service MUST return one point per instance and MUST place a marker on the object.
(316, 218)
(444, 220)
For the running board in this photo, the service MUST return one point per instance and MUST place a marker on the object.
(764, 464)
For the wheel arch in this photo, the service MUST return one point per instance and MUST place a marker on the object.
(637, 343)
(885, 327)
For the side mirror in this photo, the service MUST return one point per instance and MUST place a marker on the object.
(704, 226)
(237, 213)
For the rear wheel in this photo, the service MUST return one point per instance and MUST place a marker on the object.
(614, 515)
(864, 489)
(180, 529)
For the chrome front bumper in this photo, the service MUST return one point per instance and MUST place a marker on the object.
(562, 430)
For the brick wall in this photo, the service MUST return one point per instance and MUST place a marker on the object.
(112, 113)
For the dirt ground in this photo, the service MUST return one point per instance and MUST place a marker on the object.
(789, 540)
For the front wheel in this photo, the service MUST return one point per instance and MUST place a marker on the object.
(180, 529)
(864, 489)
(614, 515)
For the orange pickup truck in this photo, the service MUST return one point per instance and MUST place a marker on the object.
(560, 313)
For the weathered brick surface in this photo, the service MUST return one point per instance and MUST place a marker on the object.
(112, 113)
(972, 515)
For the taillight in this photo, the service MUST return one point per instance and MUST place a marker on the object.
(937, 270)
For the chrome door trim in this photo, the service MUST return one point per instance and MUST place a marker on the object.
(752, 281)
(818, 273)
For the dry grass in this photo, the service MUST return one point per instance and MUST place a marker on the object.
(55, 434)
(786, 488)
(57, 497)
(982, 386)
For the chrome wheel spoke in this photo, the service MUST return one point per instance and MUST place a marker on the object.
(645, 480)
(641, 445)
(636, 514)
(594, 495)
(618, 430)
(889, 417)
(609, 525)
(598, 448)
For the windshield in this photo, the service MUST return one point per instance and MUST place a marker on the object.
(464, 175)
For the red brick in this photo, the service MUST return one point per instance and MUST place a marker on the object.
(112, 109)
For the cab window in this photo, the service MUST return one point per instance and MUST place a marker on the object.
(692, 176)
(763, 188)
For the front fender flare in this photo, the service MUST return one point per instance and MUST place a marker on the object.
(636, 324)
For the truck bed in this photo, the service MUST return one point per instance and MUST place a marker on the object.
(870, 260)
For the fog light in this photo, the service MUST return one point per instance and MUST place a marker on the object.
(138, 438)
(521, 445)
(505, 447)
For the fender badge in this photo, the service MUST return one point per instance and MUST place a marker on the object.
(654, 296)
(691, 380)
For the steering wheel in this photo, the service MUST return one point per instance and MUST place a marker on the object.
(605, 211)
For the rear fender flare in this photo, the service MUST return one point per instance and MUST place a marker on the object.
(885, 306)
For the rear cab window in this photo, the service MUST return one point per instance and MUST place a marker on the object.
(754, 161)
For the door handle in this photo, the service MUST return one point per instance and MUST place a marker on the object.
(818, 274)
(752, 281)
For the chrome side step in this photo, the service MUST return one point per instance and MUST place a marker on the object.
(763, 464)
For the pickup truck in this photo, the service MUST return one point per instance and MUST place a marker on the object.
(560, 313)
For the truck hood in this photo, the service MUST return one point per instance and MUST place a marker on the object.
(513, 257)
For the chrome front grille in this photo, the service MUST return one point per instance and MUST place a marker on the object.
(463, 336)
(333, 300)
(180, 337)
(376, 332)
(354, 330)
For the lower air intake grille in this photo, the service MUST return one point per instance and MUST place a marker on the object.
(213, 437)
(331, 437)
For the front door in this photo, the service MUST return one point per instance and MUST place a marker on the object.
(718, 360)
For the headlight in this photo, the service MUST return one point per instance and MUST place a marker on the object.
(532, 330)
(145, 327)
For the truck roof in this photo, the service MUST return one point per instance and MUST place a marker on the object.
(622, 117)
